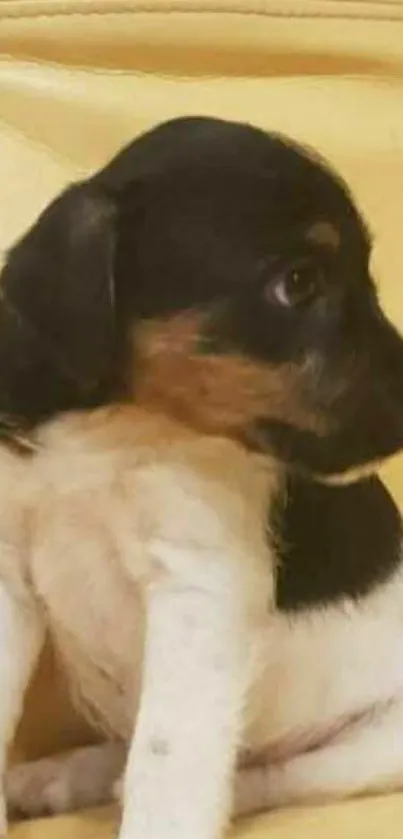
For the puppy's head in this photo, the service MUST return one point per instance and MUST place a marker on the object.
(218, 274)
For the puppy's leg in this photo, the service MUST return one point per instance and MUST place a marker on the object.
(366, 759)
(81, 778)
(198, 663)
(21, 638)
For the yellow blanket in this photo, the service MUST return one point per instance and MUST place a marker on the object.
(79, 77)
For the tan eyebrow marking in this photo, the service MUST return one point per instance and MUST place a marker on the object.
(324, 233)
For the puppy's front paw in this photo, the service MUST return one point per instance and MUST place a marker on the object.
(82, 778)
(37, 789)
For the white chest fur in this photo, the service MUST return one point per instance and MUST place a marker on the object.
(106, 494)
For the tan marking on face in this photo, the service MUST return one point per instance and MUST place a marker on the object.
(215, 393)
(324, 233)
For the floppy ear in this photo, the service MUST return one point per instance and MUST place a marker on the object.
(57, 298)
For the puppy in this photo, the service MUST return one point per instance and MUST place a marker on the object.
(180, 334)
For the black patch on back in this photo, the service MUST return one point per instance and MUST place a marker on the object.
(335, 542)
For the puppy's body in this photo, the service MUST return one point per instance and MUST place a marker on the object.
(205, 304)
(323, 720)
(129, 503)
(337, 715)
(111, 490)
(340, 732)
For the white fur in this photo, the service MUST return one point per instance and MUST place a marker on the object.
(324, 720)
(128, 517)
(175, 528)
(329, 715)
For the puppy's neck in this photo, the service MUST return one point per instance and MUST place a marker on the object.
(144, 436)
(197, 491)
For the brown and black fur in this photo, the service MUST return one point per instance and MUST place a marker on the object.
(155, 280)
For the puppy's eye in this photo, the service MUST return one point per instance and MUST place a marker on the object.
(297, 284)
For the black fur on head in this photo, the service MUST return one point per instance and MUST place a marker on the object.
(217, 273)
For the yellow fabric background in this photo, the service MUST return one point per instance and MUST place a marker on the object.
(79, 77)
